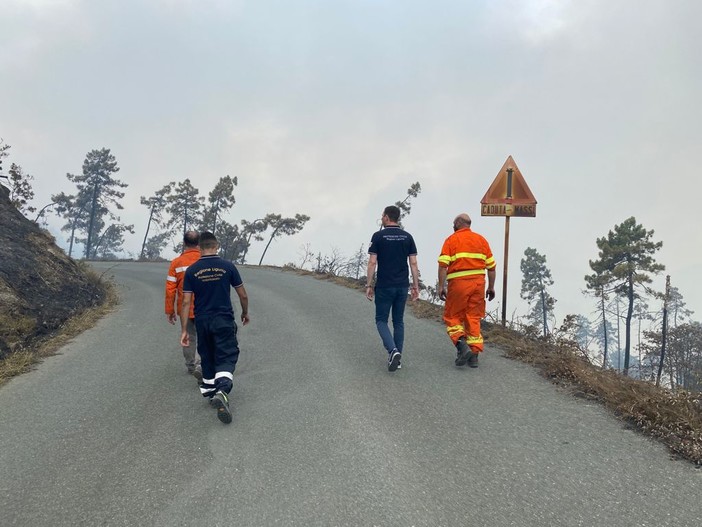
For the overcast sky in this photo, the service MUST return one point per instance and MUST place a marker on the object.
(333, 108)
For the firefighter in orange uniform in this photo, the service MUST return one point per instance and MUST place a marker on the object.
(174, 295)
(465, 257)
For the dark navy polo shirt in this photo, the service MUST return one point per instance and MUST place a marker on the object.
(209, 279)
(392, 245)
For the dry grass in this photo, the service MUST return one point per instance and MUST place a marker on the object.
(25, 359)
(674, 418)
(16, 327)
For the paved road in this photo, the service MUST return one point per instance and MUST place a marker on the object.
(113, 432)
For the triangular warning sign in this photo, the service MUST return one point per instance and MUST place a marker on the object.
(502, 189)
(509, 188)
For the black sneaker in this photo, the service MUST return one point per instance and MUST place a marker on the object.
(462, 352)
(473, 360)
(221, 402)
(394, 360)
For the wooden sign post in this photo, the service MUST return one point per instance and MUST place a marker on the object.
(509, 195)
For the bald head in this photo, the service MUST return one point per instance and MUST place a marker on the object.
(461, 222)
(191, 239)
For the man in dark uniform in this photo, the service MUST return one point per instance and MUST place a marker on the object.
(390, 249)
(209, 279)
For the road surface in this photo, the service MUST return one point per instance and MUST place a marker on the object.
(113, 432)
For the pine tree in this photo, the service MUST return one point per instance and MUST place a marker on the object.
(231, 241)
(405, 205)
(19, 183)
(110, 241)
(220, 200)
(596, 286)
(280, 225)
(251, 229)
(154, 246)
(21, 192)
(97, 182)
(676, 307)
(536, 277)
(74, 209)
(184, 207)
(624, 267)
(156, 205)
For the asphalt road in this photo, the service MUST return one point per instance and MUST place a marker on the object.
(112, 431)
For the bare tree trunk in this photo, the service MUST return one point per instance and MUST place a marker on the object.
(92, 222)
(148, 226)
(629, 316)
(98, 244)
(664, 332)
(638, 344)
(73, 234)
(543, 311)
(604, 330)
(619, 338)
(216, 211)
(242, 258)
(267, 245)
(358, 262)
(41, 212)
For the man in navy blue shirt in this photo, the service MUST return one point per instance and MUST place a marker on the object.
(390, 249)
(209, 280)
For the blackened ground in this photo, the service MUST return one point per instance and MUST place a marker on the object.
(40, 286)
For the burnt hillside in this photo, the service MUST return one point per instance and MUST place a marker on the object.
(40, 287)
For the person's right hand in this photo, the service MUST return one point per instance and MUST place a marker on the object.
(490, 294)
(171, 318)
(442, 294)
(245, 319)
(185, 339)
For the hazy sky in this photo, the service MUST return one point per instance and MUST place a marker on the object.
(333, 108)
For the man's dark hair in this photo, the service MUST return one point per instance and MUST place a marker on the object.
(393, 213)
(191, 239)
(208, 241)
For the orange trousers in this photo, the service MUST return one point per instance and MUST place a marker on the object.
(465, 307)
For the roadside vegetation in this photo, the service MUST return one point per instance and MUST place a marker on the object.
(30, 350)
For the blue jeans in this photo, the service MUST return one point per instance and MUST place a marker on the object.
(387, 299)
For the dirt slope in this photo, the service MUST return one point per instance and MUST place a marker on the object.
(40, 287)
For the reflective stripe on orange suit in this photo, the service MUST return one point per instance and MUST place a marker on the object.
(465, 307)
(174, 281)
(467, 255)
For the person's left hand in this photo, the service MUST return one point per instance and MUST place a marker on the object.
(490, 294)
(185, 339)
(369, 293)
(414, 293)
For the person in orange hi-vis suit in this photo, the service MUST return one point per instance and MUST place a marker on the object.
(174, 297)
(465, 257)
